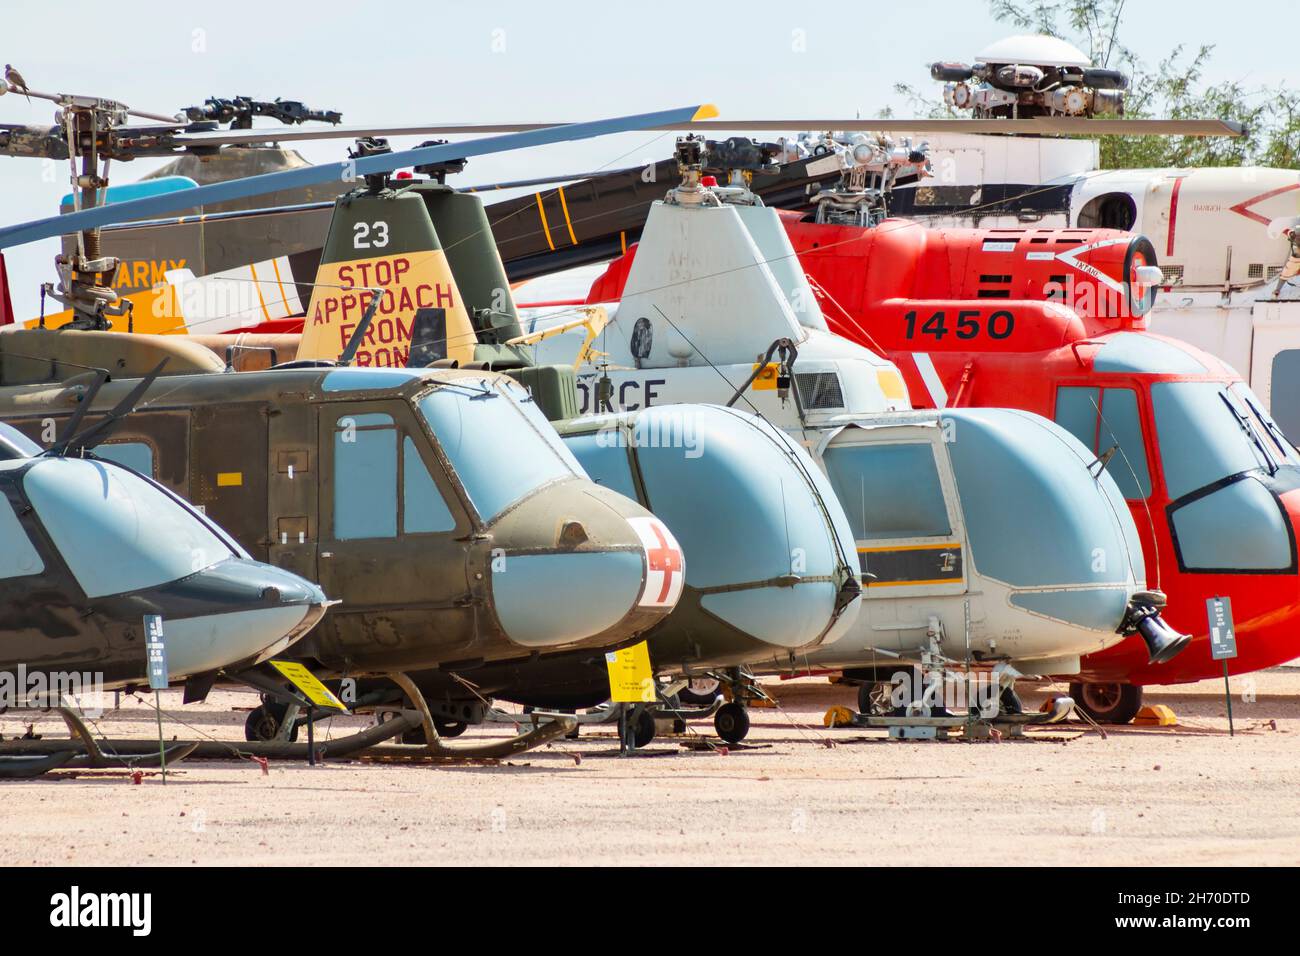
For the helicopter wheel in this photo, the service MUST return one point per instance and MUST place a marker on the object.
(873, 699)
(731, 722)
(643, 729)
(264, 721)
(1108, 703)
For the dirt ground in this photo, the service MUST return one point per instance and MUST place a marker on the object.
(1185, 795)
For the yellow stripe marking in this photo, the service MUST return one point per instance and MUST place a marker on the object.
(565, 206)
(622, 240)
(546, 229)
(230, 479)
(258, 286)
(911, 547)
(899, 584)
(284, 296)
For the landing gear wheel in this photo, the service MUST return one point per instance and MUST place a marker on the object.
(263, 722)
(873, 699)
(1108, 703)
(731, 722)
(643, 729)
(701, 691)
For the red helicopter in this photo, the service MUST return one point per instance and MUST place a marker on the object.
(1052, 321)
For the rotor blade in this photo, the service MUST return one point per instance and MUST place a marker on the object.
(1043, 124)
(336, 172)
(1039, 124)
(545, 180)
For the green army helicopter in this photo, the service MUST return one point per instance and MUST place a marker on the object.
(446, 550)
(778, 576)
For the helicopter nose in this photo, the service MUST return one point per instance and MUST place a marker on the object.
(236, 612)
(594, 597)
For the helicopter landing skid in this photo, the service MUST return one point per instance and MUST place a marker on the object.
(83, 751)
(554, 727)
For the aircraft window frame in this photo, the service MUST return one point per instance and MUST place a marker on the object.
(133, 443)
(1195, 439)
(889, 475)
(409, 451)
(1271, 428)
(446, 511)
(471, 464)
(1103, 427)
(361, 475)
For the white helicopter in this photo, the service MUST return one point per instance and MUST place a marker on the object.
(983, 536)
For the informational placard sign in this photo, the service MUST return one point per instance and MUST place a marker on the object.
(155, 647)
(303, 679)
(1223, 644)
(1223, 638)
(630, 678)
(155, 650)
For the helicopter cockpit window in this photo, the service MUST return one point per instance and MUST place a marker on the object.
(424, 510)
(365, 477)
(1205, 435)
(1255, 408)
(18, 558)
(1107, 422)
(498, 447)
(366, 487)
(889, 491)
(136, 455)
(116, 531)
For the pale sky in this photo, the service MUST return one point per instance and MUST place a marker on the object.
(524, 60)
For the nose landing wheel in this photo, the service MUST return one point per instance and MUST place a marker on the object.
(1108, 703)
(732, 722)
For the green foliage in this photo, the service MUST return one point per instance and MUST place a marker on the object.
(1173, 89)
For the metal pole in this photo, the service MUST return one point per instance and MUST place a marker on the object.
(162, 751)
(1227, 696)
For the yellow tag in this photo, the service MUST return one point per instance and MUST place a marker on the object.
(230, 479)
(766, 379)
(630, 678)
(303, 679)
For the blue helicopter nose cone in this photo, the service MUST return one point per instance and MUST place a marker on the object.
(550, 600)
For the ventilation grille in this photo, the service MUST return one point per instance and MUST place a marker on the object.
(819, 390)
(1173, 274)
(1255, 270)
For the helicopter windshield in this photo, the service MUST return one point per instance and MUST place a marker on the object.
(498, 441)
(1208, 432)
(116, 531)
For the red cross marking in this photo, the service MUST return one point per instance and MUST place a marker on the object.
(664, 558)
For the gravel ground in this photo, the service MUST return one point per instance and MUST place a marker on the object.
(1185, 795)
